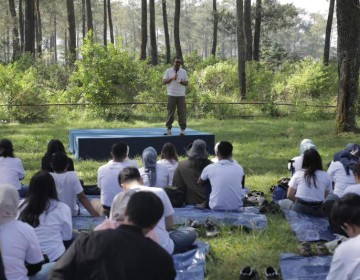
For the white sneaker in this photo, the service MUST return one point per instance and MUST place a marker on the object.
(168, 132)
(182, 132)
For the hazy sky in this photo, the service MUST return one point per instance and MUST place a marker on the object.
(311, 6)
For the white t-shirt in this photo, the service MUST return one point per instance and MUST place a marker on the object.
(226, 189)
(341, 180)
(55, 226)
(345, 263)
(162, 234)
(11, 171)
(174, 87)
(311, 193)
(68, 186)
(18, 244)
(107, 180)
(352, 189)
(171, 166)
(162, 176)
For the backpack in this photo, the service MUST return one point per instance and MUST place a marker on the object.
(348, 157)
(280, 190)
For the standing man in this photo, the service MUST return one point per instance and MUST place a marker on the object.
(176, 80)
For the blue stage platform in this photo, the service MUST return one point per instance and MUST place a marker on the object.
(96, 143)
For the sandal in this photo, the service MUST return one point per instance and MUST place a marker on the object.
(321, 249)
(305, 249)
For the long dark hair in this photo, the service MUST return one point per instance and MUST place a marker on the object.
(41, 190)
(6, 148)
(311, 163)
(54, 146)
(168, 152)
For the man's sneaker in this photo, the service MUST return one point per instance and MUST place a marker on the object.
(168, 132)
(192, 223)
(212, 229)
(249, 273)
(182, 132)
(271, 273)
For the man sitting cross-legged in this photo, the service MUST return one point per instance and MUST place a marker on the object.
(226, 178)
(107, 178)
(121, 253)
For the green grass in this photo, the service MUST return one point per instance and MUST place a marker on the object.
(262, 146)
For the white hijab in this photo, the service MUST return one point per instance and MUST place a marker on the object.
(9, 203)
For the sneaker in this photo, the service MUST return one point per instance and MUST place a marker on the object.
(168, 132)
(212, 229)
(248, 273)
(192, 223)
(182, 132)
(321, 249)
(271, 273)
(305, 249)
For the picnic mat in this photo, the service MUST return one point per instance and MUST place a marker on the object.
(191, 264)
(309, 228)
(296, 267)
(247, 216)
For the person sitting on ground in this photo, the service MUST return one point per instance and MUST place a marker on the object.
(50, 218)
(226, 179)
(68, 186)
(153, 174)
(175, 241)
(20, 247)
(345, 263)
(11, 167)
(54, 146)
(356, 187)
(169, 158)
(107, 178)
(121, 253)
(188, 172)
(295, 163)
(308, 186)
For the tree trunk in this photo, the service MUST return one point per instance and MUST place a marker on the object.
(348, 21)
(247, 29)
(71, 32)
(83, 17)
(241, 48)
(177, 29)
(154, 54)
(166, 32)
(30, 26)
(38, 28)
(257, 29)
(15, 32)
(328, 32)
(55, 36)
(110, 23)
(143, 29)
(89, 18)
(215, 28)
(105, 23)
(21, 23)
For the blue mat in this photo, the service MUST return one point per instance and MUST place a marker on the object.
(191, 264)
(309, 228)
(295, 267)
(247, 216)
(84, 223)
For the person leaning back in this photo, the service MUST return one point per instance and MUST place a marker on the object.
(176, 79)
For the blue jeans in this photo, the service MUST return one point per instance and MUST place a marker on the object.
(183, 238)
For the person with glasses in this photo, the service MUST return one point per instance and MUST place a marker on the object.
(177, 80)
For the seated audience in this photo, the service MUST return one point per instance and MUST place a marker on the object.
(68, 185)
(11, 167)
(20, 247)
(345, 263)
(50, 218)
(216, 159)
(153, 174)
(308, 186)
(226, 179)
(107, 178)
(122, 253)
(53, 147)
(356, 187)
(169, 158)
(295, 163)
(188, 172)
(175, 241)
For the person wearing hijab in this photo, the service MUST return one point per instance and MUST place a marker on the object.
(153, 174)
(20, 247)
(295, 163)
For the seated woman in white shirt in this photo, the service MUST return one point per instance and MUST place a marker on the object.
(153, 174)
(295, 163)
(50, 218)
(169, 158)
(11, 167)
(308, 186)
(345, 263)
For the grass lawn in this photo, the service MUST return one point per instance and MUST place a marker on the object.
(262, 146)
